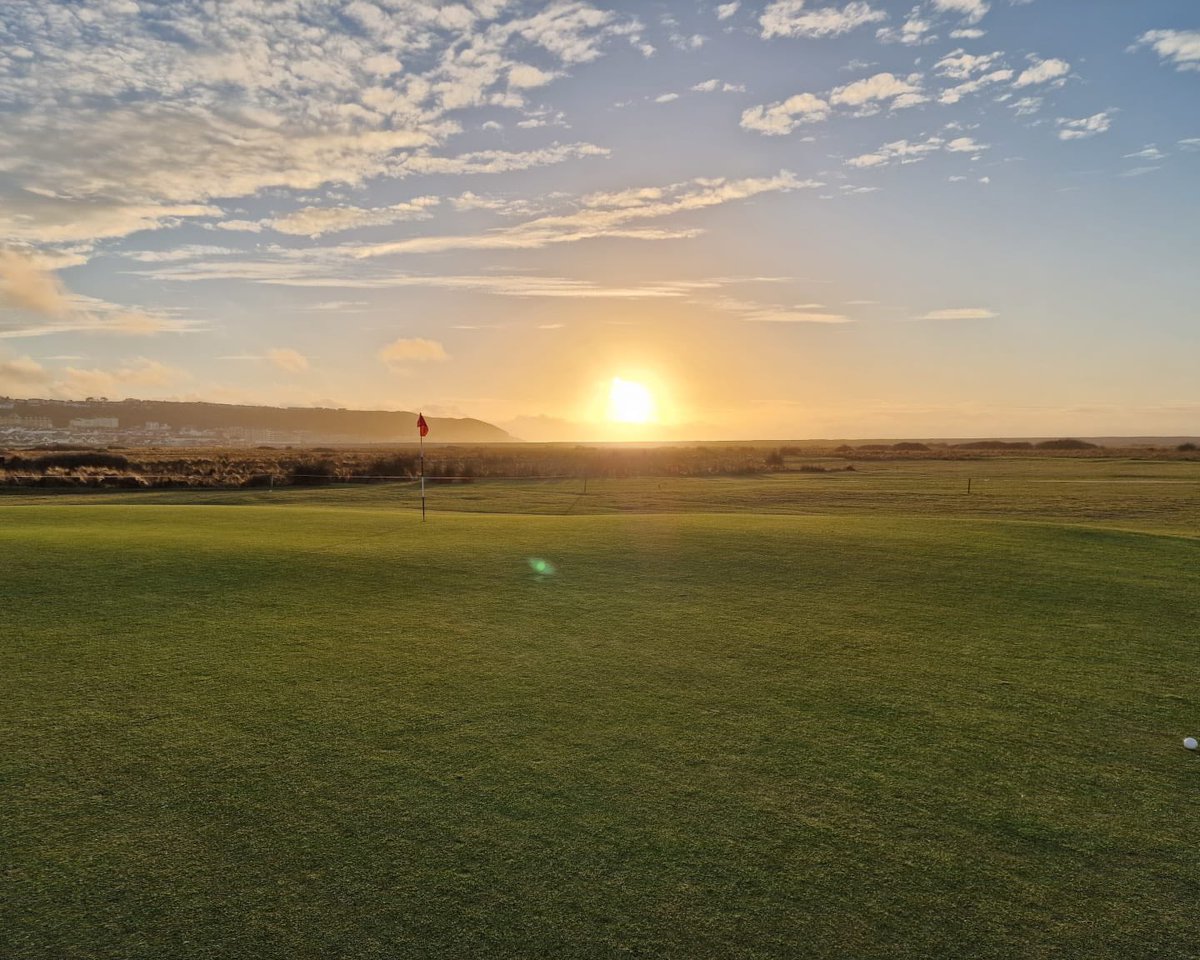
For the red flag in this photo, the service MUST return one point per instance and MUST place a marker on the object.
(422, 426)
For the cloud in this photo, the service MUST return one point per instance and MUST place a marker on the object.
(1042, 71)
(777, 119)
(712, 86)
(43, 306)
(605, 215)
(882, 86)
(727, 10)
(788, 18)
(959, 313)
(960, 65)
(315, 221)
(781, 118)
(44, 217)
(968, 33)
(1180, 47)
(693, 42)
(914, 30)
(898, 150)
(240, 226)
(666, 97)
(139, 372)
(1148, 152)
(416, 349)
(965, 145)
(287, 359)
(751, 311)
(21, 374)
(187, 251)
(135, 119)
(340, 306)
(1084, 127)
(1139, 171)
(515, 285)
(956, 93)
(468, 201)
(25, 286)
(524, 77)
(972, 10)
(493, 161)
(905, 151)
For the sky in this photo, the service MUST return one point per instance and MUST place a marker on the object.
(768, 220)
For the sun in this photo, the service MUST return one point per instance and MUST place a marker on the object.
(630, 402)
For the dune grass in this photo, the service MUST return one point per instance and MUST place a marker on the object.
(315, 727)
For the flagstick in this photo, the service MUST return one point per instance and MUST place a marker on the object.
(422, 479)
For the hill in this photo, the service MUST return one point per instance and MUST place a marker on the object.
(320, 423)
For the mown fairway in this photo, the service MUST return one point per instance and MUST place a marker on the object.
(316, 728)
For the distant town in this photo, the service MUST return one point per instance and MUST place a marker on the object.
(98, 421)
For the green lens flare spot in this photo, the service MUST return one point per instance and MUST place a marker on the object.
(543, 568)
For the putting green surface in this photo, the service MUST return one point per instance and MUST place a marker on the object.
(318, 730)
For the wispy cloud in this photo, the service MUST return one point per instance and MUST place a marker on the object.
(905, 151)
(518, 285)
(287, 359)
(41, 305)
(403, 350)
(316, 221)
(1148, 152)
(751, 311)
(958, 313)
(1085, 126)
(613, 216)
(864, 97)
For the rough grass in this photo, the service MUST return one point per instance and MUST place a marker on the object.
(1125, 493)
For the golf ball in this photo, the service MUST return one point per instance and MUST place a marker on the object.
(1190, 743)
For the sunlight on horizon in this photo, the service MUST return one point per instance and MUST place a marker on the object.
(631, 402)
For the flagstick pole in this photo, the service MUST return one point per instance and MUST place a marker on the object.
(422, 479)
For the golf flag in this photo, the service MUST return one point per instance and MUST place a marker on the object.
(422, 426)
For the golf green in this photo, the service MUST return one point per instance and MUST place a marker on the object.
(328, 730)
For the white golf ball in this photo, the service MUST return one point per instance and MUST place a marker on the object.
(1190, 743)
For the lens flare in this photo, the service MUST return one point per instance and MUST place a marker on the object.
(543, 568)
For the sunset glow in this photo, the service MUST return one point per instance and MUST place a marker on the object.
(630, 402)
(812, 219)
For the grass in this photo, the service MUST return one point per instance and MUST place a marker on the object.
(824, 725)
